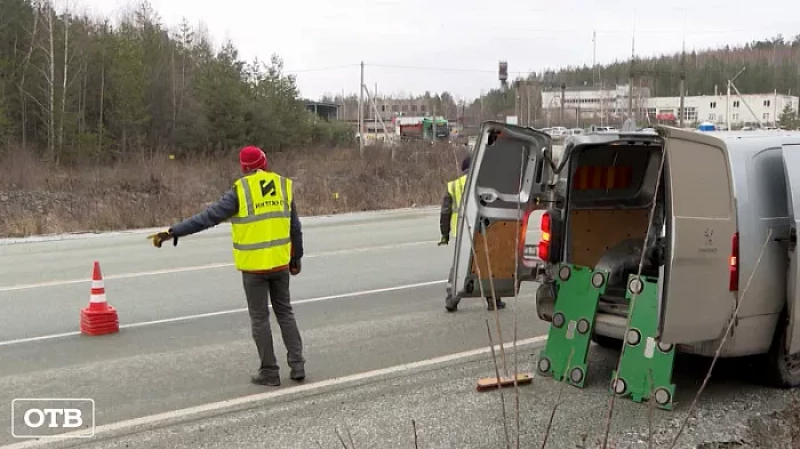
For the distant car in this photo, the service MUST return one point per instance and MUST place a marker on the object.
(596, 128)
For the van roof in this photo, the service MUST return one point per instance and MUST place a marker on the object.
(594, 137)
(736, 140)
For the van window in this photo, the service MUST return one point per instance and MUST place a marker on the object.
(503, 153)
(618, 175)
(706, 163)
(768, 190)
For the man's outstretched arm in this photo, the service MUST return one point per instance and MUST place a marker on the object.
(222, 210)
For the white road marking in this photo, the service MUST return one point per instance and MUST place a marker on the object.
(203, 267)
(309, 221)
(226, 312)
(220, 406)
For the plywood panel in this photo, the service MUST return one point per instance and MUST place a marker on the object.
(501, 238)
(593, 232)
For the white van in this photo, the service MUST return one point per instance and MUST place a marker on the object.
(720, 195)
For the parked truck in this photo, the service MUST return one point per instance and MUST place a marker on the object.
(424, 129)
(651, 243)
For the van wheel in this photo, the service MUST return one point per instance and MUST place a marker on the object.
(783, 370)
(607, 342)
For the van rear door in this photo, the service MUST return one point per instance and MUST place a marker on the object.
(508, 174)
(697, 301)
(791, 165)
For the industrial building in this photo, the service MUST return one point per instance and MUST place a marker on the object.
(611, 105)
(326, 111)
(718, 109)
(589, 100)
(580, 104)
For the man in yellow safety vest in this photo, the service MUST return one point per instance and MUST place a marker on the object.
(267, 248)
(448, 222)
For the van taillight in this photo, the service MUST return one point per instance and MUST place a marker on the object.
(733, 282)
(523, 231)
(544, 242)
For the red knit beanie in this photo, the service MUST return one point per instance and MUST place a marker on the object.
(252, 158)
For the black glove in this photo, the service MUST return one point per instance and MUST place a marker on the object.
(161, 237)
(295, 267)
(444, 241)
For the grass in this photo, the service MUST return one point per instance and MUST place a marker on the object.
(152, 190)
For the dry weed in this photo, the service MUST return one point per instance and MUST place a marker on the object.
(150, 189)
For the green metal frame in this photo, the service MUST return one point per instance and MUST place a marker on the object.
(645, 369)
(569, 338)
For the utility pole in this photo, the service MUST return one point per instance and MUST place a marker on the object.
(682, 84)
(344, 106)
(602, 102)
(528, 92)
(630, 76)
(433, 127)
(728, 99)
(775, 105)
(682, 109)
(375, 103)
(361, 112)
(563, 100)
(594, 54)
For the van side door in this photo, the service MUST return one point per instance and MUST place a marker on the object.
(507, 176)
(697, 303)
(791, 165)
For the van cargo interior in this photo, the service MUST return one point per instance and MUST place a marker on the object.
(610, 196)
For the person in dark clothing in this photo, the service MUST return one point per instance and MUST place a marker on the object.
(448, 220)
(268, 247)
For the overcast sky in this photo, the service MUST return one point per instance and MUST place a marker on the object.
(409, 46)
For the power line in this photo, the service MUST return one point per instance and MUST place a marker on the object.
(434, 69)
(322, 69)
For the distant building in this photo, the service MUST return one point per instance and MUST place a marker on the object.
(327, 111)
(389, 106)
(766, 108)
(587, 103)
(612, 105)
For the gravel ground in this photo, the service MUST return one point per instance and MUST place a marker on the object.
(449, 413)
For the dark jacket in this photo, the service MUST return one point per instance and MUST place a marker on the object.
(225, 209)
(447, 210)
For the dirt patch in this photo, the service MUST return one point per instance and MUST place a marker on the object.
(151, 190)
(779, 429)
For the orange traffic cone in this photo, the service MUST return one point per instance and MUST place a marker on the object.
(98, 318)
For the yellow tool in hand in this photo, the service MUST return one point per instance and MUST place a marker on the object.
(161, 237)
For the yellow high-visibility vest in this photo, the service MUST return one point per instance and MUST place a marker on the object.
(456, 190)
(261, 228)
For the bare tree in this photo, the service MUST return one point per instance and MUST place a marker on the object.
(23, 95)
(63, 81)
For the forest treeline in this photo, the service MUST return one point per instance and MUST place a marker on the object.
(74, 87)
(769, 64)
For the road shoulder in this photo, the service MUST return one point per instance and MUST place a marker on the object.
(448, 412)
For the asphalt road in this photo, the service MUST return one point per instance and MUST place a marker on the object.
(381, 350)
(370, 297)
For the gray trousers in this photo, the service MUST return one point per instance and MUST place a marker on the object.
(260, 289)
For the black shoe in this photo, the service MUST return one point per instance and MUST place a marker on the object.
(263, 379)
(500, 304)
(298, 375)
(450, 308)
